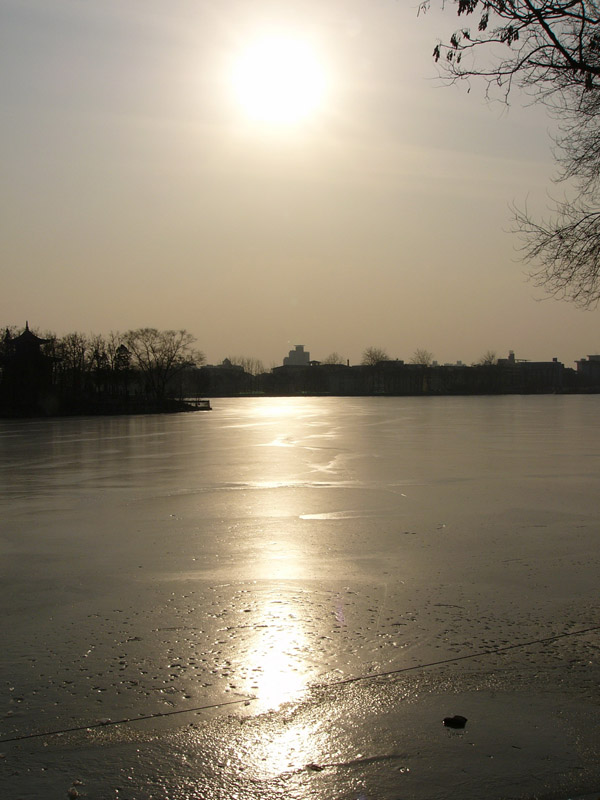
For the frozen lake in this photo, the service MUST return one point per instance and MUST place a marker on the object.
(240, 565)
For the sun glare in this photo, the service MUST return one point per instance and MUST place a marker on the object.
(279, 79)
(279, 666)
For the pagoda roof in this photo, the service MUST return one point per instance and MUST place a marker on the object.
(27, 337)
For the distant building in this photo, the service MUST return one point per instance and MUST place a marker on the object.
(504, 362)
(588, 370)
(225, 379)
(518, 375)
(297, 357)
(227, 364)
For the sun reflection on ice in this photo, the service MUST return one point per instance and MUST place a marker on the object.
(295, 746)
(283, 407)
(279, 663)
(279, 657)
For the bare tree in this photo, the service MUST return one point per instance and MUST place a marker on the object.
(333, 358)
(551, 49)
(8, 333)
(98, 352)
(112, 342)
(253, 366)
(564, 251)
(75, 352)
(73, 357)
(422, 357)
(11, 330)
(373, 355)
(489, 358)
(119, 363)
(161, 355)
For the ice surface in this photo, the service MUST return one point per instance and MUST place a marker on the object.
(265, 553)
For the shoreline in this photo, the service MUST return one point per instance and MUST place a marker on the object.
(134, 408)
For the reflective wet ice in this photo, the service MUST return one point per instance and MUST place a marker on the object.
(249, 561)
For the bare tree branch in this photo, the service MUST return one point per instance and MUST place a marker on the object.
(551, 49)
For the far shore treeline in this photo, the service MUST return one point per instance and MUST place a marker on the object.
(149, 370)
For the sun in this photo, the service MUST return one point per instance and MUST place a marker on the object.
(279, 79)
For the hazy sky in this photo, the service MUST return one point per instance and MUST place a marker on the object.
(135, 190)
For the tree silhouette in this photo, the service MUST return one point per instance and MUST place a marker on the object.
(373, 355)
(551, 49)
(422, 357)
(251, 365)
(489, 358)
(160, 356)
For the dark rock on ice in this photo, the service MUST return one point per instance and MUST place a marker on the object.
(455, 722)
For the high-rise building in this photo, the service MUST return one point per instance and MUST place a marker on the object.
(297, 357)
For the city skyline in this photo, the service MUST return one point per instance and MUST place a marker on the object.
(299, 355)
(136, 191)
(151, 371)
